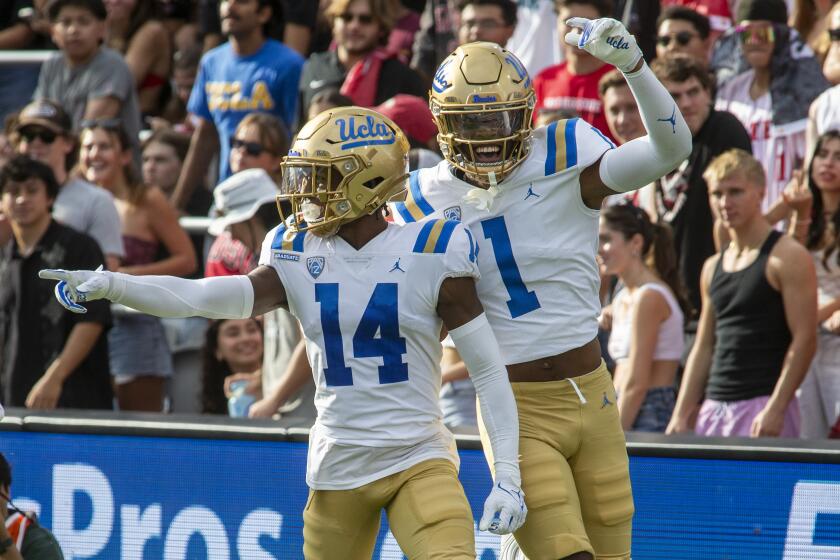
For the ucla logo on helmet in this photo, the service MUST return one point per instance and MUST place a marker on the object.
(439, 84)
(315, 266)
(520, 69)
(453, 213)
(363, 132)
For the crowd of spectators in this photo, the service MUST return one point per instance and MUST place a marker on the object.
(151, 111)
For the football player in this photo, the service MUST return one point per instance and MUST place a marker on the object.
(371, 297)
(531, 199)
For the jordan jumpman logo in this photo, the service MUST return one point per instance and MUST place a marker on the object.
(531, 193)
(396, 267)
(672, 119)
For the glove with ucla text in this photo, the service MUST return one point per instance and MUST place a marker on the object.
(606, 39)
(504, 508)
(78, 286)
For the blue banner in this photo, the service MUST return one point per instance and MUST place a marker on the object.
(138, 498)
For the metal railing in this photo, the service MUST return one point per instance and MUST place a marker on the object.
(24, 57)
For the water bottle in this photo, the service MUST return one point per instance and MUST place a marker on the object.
(239, 401)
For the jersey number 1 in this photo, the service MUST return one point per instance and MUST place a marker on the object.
(381, 316)
(521, 300)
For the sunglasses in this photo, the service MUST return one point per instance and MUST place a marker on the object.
(364, 19)
(254, 149)
(834, 34)
(110, 124)
(682, 38)
(754, 34)
(43, 134)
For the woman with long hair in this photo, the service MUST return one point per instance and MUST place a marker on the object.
(146, 45)
(139, 356)
(816, 224)
(233, 350)
(260, 142)
(646, 341)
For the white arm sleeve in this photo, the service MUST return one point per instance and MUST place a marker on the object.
(219, 297)
(478, 348)
(667, 144)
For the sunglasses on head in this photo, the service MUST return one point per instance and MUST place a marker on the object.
(751, 34)
(682, 38)
(365, 19)
(43, 134)
(254, 149)
(111, 124)
(834, 34)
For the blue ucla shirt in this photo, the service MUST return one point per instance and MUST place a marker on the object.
(229, 86)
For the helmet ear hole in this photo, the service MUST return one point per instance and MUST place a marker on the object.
(373, 183)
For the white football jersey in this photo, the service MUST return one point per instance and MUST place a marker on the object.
(373, 339)
(537, 241)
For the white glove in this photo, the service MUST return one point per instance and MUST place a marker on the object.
(606, 39)
(78, 286)
(504, 508)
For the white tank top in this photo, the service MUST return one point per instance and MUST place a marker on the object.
(827, 110)
(828, 279)
(669, 340)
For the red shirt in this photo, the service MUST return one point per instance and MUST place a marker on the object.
(558, 89)
(228, 257)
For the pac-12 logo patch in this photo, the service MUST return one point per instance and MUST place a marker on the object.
(453, 213)
(315, 266)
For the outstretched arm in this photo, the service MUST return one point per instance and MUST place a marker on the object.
(792, 268)
(696, 374)
(220, 297)
(461, 311)
(668, 140)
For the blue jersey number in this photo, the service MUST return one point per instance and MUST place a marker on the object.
(521, 300)
(380, 316)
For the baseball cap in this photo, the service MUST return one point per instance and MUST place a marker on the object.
(240, 196)
(46, 113)
(767, 10)
(412, 115)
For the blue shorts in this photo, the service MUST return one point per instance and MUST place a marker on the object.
(656, 410)
(137, 346)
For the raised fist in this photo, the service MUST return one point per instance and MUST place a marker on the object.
(606, 39)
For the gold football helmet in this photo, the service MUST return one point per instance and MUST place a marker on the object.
(482, 101)
(345, 163)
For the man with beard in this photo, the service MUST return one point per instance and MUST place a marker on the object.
(359, 66)
(246, 74)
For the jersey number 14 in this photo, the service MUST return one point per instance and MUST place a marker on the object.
(381, 315)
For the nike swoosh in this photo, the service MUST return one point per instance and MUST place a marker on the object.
(315, 84)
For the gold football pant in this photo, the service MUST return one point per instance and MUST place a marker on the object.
(575, 470)
(427, 511)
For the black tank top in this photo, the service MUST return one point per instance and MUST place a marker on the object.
(751, 331)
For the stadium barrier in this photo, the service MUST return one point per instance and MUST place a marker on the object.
(144, 486)
(25, 57)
